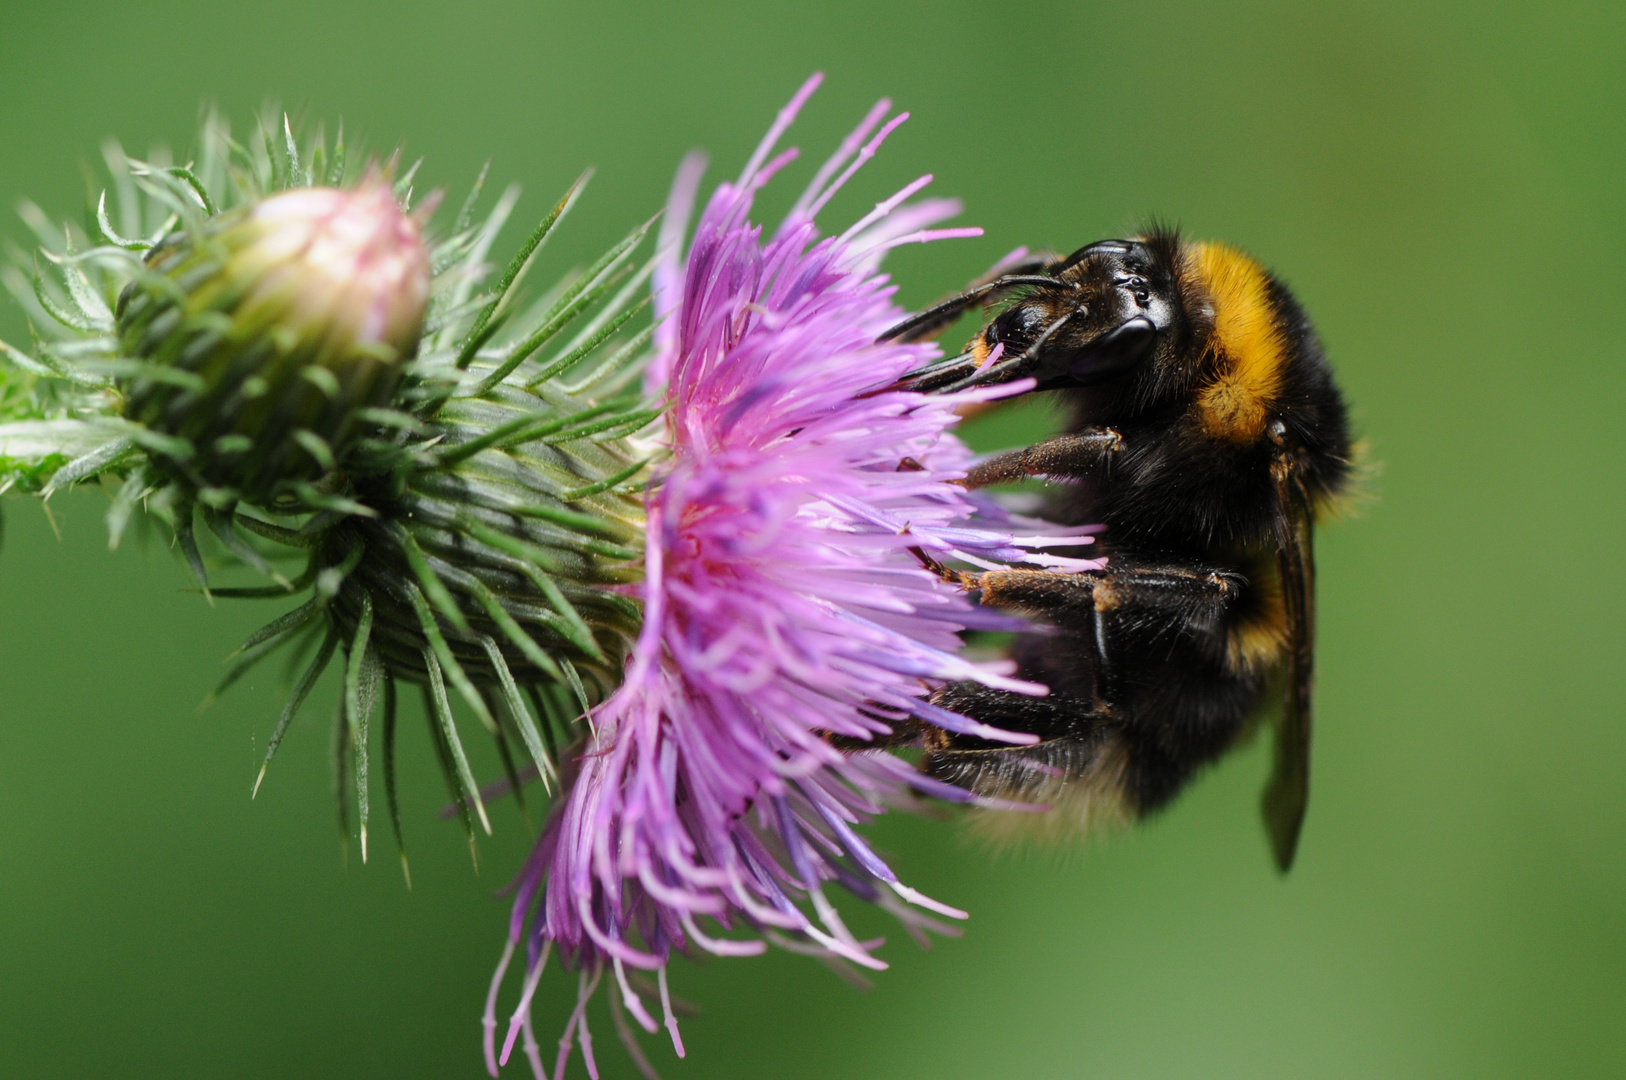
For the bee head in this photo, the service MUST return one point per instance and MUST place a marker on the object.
(1111, 304)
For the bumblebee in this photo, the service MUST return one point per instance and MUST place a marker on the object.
(1207, 435)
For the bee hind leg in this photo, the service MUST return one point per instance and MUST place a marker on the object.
(1078, 739)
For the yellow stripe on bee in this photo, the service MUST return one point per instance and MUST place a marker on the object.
(1259, 641)
(1246, 341)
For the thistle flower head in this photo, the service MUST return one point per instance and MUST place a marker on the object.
(483, 550)
(788, 614)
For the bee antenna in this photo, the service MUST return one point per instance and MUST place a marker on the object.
(946, 311)
(1016, 368)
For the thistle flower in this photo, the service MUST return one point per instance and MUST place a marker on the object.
(789, 619)
(258, 339)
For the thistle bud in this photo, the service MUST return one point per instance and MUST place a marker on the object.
(491, 552)
(261, 333)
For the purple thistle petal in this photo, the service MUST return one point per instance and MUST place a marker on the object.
(783, 602)
(848, 147)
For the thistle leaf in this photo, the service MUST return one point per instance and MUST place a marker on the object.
(278, 627)
(124, 503)
(360, 689)
(189, 546)
(288, 537)
(335, 171)
(465, 214)
(110, 234)
(505, 754)
(220, 522)
(342, 747)
(579, 351)
(181, 172)
(580, 691)
(72, 320)
(606, 484)
(88, 465)
(430, 581)
(588, 287)
(264, 641)
(511, 628)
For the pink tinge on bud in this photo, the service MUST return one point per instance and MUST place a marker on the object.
(348, 264)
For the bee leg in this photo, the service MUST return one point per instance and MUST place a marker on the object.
(1063, 457)
(1087, 738)
(1190, 599)
(1049, 717)
(1076, 737)
(1192, 596)
(905, 731)
(988, 289)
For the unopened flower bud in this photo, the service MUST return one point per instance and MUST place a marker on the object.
(489, 551)
(263, 332)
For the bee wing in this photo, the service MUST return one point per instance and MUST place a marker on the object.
(1288, 792)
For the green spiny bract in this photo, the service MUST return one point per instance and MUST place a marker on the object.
(38, 430)
(189, 349)
(481, 530)
(484, 551)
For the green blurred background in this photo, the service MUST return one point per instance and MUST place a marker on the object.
(1442, 187)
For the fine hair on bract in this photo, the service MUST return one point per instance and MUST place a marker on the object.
(789, 613)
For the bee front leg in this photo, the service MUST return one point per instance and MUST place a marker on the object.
(1064, 457)
(988, 289)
